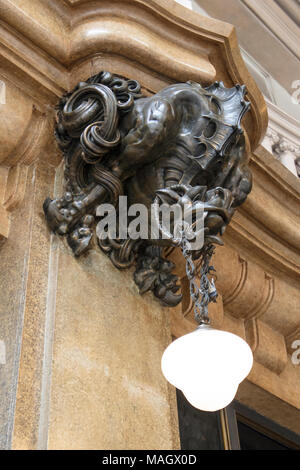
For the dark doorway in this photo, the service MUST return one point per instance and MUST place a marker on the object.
(235, 428)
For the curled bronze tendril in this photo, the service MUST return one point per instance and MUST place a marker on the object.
(92, 113)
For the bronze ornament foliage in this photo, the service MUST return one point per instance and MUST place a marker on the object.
(184, 143)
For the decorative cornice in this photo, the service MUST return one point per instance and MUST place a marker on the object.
(291, 8)
(277, 21)
(49, 44)
(230, 296)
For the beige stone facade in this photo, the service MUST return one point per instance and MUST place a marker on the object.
(81, 366)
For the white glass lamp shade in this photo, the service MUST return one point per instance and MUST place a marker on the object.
(211, 398)
(207, 365)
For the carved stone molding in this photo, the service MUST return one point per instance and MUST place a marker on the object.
(280, 23)
(291, 8)
(53, 48)
(257, 306)
(20, 149)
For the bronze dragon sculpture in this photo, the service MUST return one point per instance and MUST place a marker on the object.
(184, 143)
